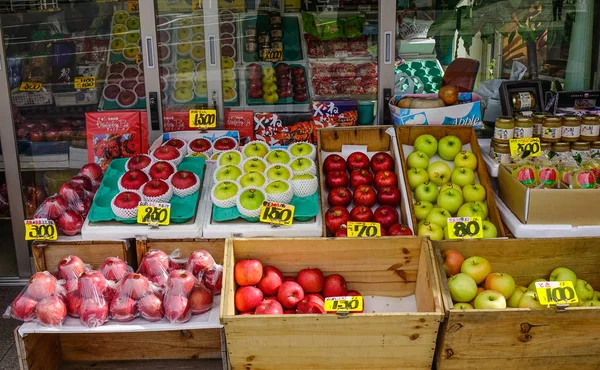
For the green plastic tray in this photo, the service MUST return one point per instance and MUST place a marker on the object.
(281, 101)
(428, 73)
(306, 208)
(113, 105)
(292, 47)
(182, 209)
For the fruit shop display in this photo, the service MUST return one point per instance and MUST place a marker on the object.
(265, 291)
(69, 207)
(341, 37)
(334, 79)
(443, 178)
(262, 32)
(125, 36)
(227, 30)
(362, 189)
(34, 131)
(243, 180)
(473, 285)
(276, 84)
(124, 86)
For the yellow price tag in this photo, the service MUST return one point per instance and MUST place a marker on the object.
(203, 118)
(40, 229)
(273, 55)
(530, 145)
(556, 292)
(138, 58)
(465, 228)
(277, 213)
(196, 5)
(363, 229)
(344, 304)
(30, 86)
(133, 6)
(85, 82)
(154, 214)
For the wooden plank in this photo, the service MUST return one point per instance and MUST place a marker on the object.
(427, 289)
(160, 345)
(228, 288)
(145, 365)
(38, 351)
(536, 363)
(46, 255)
(374, 137)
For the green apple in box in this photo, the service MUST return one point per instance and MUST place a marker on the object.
(426, 144)
(489, 230)
(433, 231)
(301, 150)
(232, 157)
(228, 173)
(584, 290)
(226, 190)
(301, 164)
(255, 149)
(451, 200)
(278, 173)
(463, 306)
(531, 285)
(450, 185)
(466, 159)
(417, 159)
(489, 300)
(252, 199)
(484, 207)
(462, 176)
(439, 173)
(530, 300)
(278, 156)
(462, 288)
(426, 191)
(277, 187)
(252, 179)
(422, 209)
(471, 209)
(416, 176)
(513, 300)
(438, 216)
(254, 165)
(474, 192)
(449, 147)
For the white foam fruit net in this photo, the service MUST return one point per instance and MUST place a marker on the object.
(125, 212)
(182, 193)
(165, 198)
(305, 188)
(249, 212)
(184, 149)
(284, 197)
(145, 169)
(312, 170)
(175, 162)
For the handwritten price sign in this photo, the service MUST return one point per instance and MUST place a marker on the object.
(346, 304)
(40, 229)
(465, 228)
(363, 229)
(203, 118)
(30, 86)
(527, 145)
(556, 292)
(154, 214)
(277, 213)
(85, 82)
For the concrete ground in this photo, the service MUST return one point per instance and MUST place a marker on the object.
(8, 351)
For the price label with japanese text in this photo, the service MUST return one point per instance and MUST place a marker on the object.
(133, 6)
(154, 213)
(556, 292)
(40, 229)
(203, 118)
(273, 55)
(465, 228)
(30, 86)
(345, 304)
(277, 213)
(363, 229)
(85, 82)
(527, 147)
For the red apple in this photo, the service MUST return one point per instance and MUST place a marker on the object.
(254, 67)
(155, 188)
(385, 178)
(123, 309)
(70, 222)
(201, 299)
(453, 260)
(382, 161)
(386, 216)
(290, 294)
(127, 200)
(70, 267)
(361, 214)
(161, 170)
(289, 278)
(353, 293)
(339, 197)
(224, 143)
(138, 162)
(91, 284)
(365, 195)
(255, 93)
(166, 153)
(311, 280)
(51, 311)
(134, 179)
(177, 143)
(399, 230)
(199, 261)
(342, 232)
(36, 135)
(72, 191)
(213, 279)
(334, 162)
(52, 207)
(200, 145)
(248, 272)
(183, 180)
(23, 308)
(360, 177)
(83, 181)
(93, 312)
(180, 282)
(255, 85)
(150, 308)
(93, 171)
(298, 71)
(155, 262)
(271, 280)
(336, 217)
(358, 161)
(113, 268)
(315, 298)
(306, 307)
(247, 298)
(134, 285)
(299, 80)
(177, 308)
(285, 93)
(41, 285)
(388, 195)
(336, 179)
(300, 96)
(334, 286)
(73, 301)
(269, 307)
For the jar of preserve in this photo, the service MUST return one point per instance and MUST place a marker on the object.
(590, 127)
(538, 120)
(546, 147)
(551, 129)
(523, 127)
(595, 149)
(561, 147)
(500, 153)
(504, 129)
(523, 100)
(571, 128)
(581, 147)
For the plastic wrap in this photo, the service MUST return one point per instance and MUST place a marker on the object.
(156, 266)
(130, 290)
(180, 284)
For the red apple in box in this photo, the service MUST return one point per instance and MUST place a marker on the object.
(297, 71)
(365, 195)
(358, 161)
(128, 84)
(285, 93)
(282, 69)
(138, 162)
(201, 299)
(385, 178)
(386, 216)
(336, 217)
(269, 307)
(360, 177)
(70, 222)
(361, 214)
(70, 268)
(255, 85)
(248, 272)
(342, 232)
(399, 230)
(140, 89)
(183, 180)
(155, 188)
(336, 179)
(299, 81)
(339, 197)
(388, 195)
(166, 153)
(254, 67)
(118, 67)
(123, 309)
(113, 268)
(126, 98)
(73, 301)
(127, 200)
(334, 286)
(255, 93)
(180, 282)
(271, 281)
(289, 294)
(300, 97)
(224, 143)
(200, 145)
(23, 307)
(150, 308)
(247, 298)
(134, 179)
(155, 262)
(161, 170)
(315, 298)
(91, 284)
(177, 308)
(382, 161)
(51, 311)
(306, 307)
(114, 79)
(334, 162)
(311, 280)
(131, 72)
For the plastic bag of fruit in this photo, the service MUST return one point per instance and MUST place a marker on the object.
(156, 265)
(136, 295)
(185, 296)
(70, 269)
(94, 290)
(203, 266)
(42, 300)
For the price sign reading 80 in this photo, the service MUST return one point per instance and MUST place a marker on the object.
(529, 146)
(277, 213)
(40, 229)
(154, 214)
(556, 292)
(465, 227)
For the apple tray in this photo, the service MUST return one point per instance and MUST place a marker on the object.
(182, 209)
(292, 47)
(396, 270)
(281, 101)
(306, 208)
(522, 338)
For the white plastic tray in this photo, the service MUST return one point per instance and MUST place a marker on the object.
(72, 325)
(492, 167)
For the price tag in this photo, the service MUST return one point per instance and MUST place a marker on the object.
(530, 145)
(133, 6)
(203, 118)
(364, 8)
(556, 292)
(465, 228)
(277, 213)
(273, 55)
(30, 86)
(138, 58)
(345, 304)
(341, 54)
(154, 214)
(363, 229)
(40, 229)
(196, 5)
(85, 82)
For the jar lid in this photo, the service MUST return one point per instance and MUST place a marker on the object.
(552, 119)
(523, 119)
(546, 146)
(504, 119)
(561, 147)
(581, 143)
(591, 117)
(571, 117)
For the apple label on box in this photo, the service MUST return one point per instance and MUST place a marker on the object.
(552, 293)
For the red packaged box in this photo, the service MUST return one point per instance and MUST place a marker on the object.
(241, 121)
(176, 121)
(284, 129)
(115, 134)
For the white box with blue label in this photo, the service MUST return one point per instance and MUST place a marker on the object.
(466, 113)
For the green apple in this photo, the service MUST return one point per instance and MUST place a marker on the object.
(476, 267)
(489, 230)
(483, 206)
(530, 300)
(474, 192)
(301, 164)
(133, 23)
(449, 147)
(439, 173)
(417, 159)
(225, 190)
(433, 231)
(513, 300)
(254, 164)
(416, 176)
(470, 209)
(278, 172)
(277, 187)
(301, 150)
(466, 159)
(584, 290)
(463, 306)
(426, 191)
(531, 285)
(252, 199)
(305, 176)
(563, 274)
(231, 157)
(597, 295)
(462, 288)
(450, 200)
(120, 17)
(501, 283)
(228, 173)
(592, 303)
(490, 300)
(426, 144)
(255, 149)
(256, 179)
(132, 37)
(450, 185)
(462, 176)
(278, 156)
(422, 209)
(438, 216)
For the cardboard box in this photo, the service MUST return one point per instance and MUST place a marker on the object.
(466, 114)
(548, 206)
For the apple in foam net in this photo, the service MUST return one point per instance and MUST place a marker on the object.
(166, 153)
(386, 216)
(177, 143)
(230, 158)
(155, 188)
(70, 267)
(449, 147)
(183, 180)
(276, 187)
(138, 162)
(254, 165)
(336, 179)
(336, 217)
(417, 159)
(224, 143)
(289, 294)
(382, 161)
(301, 150)
(301, 164)
(360, 177)
(271, 280)
(427, 144)
(161, 170)
(134, 179)
(228, 173)
(358, 161)
(361, 214)
(200, 145)
(127, 200)
(278, 156)
(311, 280)
(416, 176)
(278, 172)
(339, 197)
(334, 162)
(252, 179)
(252, 199)
(256, 149)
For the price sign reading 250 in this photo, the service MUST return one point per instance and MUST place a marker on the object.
(151, 213)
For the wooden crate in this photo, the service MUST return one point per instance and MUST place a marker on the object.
(518, 338)
(393, 266)
(47, 254)
(406, 135)
(186, 246)
(374, 137)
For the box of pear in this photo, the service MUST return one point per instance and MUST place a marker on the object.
(445, 176)
(494, 318)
